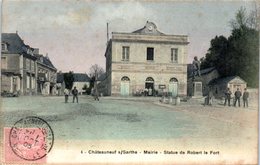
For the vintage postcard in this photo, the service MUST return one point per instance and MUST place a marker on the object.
(129, 82)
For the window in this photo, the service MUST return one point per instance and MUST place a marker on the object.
(28, 81)
(173, 79)
(27, 61)
(174, 55)
(125, 53)
(125, 78)
(4, 47)
(3, 63)
(32, 65)
(149, 54)
(33, 82)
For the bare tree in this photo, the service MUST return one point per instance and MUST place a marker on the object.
(243, 19)
(96, 71)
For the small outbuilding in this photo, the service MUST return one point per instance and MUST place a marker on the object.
(219, 85)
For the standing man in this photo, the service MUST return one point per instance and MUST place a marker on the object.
(245, 97)
(227, 96)
(210, 97)
(75, 94)
(237, 97)
(96, 91)
(66, 94)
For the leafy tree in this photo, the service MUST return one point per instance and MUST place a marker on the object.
(239, 53)
(68, 79)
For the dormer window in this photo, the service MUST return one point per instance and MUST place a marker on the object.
(41, 59)
(4, 47)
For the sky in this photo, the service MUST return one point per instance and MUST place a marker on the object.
(74, 33)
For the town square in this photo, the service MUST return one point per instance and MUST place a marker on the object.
(97, 82)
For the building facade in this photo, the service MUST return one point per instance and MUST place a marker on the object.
(47, 75)
(146, 60)
(220, 85)
(18, 66)
(81, 81)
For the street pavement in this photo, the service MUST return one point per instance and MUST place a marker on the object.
(117, 118)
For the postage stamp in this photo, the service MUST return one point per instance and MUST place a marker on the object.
(129, 82)
(29, 140)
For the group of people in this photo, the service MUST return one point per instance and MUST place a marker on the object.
(237, 96)
(148, 92)
(74, 93)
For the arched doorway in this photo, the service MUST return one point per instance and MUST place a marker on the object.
(149, 85)
(173, 87)
(124, 88)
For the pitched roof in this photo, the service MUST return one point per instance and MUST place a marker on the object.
(78, 77)
(202, 71)
(224, 80)
(149, 28)
(44, 60)
(14, 43)
(207, 70)
(81, 77)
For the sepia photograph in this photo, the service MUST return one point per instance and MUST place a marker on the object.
(129, 82)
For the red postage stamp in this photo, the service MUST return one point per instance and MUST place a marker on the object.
(29, 140)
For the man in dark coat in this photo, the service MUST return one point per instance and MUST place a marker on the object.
(227, 97)
(237, 97)
(245, 97)
(75, 94)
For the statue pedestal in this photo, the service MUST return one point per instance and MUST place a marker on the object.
(197, 87)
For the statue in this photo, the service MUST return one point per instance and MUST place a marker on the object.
(195, 67)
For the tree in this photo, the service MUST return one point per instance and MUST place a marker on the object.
(239, 53)
(96, 71)
(68, 79)
(217, 54)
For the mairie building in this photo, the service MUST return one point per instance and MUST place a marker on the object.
(146, 60)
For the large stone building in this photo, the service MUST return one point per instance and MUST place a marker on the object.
(18, 66)
(24, 70)
(146, 59)
(46, 79)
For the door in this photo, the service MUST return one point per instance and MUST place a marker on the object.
(14, 84)
(149, 86)
(173, 87)
(124, 87)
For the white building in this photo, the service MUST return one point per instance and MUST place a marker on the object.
(146, 58)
